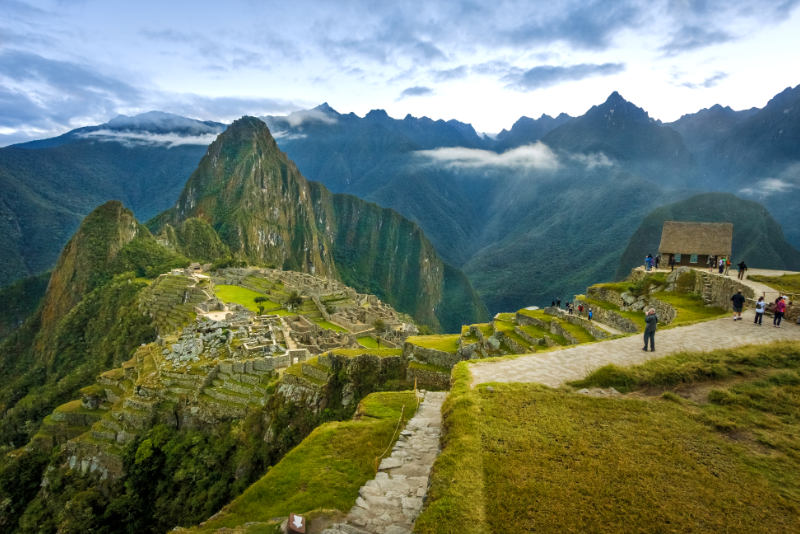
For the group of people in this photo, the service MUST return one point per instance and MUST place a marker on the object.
(651, 263)
(778, 311)
(723, 264)
(570, 308)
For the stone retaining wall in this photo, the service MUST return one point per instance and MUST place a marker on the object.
(611, 318)
(428, 379)
(432, 356)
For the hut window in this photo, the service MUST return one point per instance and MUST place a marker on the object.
(677, 258)
(693, 258)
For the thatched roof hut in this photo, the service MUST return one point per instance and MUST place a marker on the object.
(701, 238)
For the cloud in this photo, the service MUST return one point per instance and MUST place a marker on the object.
(149, 139)
(767, 187)
(547, 75)
(537, 156)
(297, 118)
(415, 91)
(711, 81)
(593, 160)
(41, 97)
(450, 74)
(694, 37)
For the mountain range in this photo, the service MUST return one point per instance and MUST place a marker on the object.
(538, 211)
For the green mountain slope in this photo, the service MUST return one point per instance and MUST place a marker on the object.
(757, 237)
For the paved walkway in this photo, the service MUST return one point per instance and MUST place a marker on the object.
(556, 367)
(389, 503)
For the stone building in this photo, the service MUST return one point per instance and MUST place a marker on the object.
(691, 243)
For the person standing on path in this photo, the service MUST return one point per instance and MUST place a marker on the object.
(590, 314)
(760, 307)
(727, 265)
(671, 262)
(651, 321)
(738, 303)
(721, 265)
(780, 309)
(742, 268)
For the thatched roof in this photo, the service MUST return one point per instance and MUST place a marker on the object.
(696, 238)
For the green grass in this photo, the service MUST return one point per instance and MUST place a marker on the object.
(242, 295)
(382, 353)
(429, 367)
(444, 343)
(536, 314)
(787, 283)
(578, 332)
(367, 342)
(690, 308)
(329, 325)
(326, 469)
(526, 458)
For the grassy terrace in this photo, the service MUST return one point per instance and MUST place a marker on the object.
(507, 328)
(245, 297)
(444, 343)
(352, 353)
(367, 342)
(674, 455)
(329, 325)
(325, 471)
(788, 283)
(690, 308)
(636, 317)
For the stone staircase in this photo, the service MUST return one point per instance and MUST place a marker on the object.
(391, 502)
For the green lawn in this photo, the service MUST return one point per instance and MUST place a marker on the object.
(367, 342)
(326, 469)
(690, 308)
(245, 297)
(578, 332)
(329, 325)
(444, 342)
(636, 317)
(526, 458)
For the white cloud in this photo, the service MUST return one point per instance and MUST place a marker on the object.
(297, 118)
(141, 138)
(768, 186)
(287, 135)
(590, 161)
(536, 156)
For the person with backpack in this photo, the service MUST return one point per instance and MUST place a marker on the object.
(780, 309)
(651, 322)
(761, 305)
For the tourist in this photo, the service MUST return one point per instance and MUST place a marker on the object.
(590, 314)
(558, 303)
(721, 265)
(727, 265)
(580, 310)
(710, 263)
(658, 260)
(651, 321)
(738, 302)
(571, 308)
(742, 268)
(671, 262)
(760, 307)
(780, 309)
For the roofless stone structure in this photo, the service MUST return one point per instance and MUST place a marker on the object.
(691, 243)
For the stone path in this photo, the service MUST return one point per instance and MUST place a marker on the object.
(556, 367)
(389, 503)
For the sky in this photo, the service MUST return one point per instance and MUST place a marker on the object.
(66, 64)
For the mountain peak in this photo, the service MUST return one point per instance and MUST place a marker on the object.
(617, 108)
(326, 108)
(377, 114)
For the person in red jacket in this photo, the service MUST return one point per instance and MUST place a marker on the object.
(780, 309)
